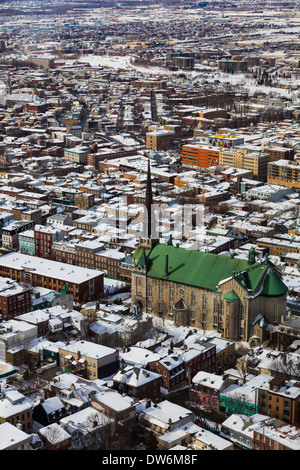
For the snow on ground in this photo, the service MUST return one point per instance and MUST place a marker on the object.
(127, 62)
(112, 285)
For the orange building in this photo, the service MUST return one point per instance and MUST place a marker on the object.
(200, 156)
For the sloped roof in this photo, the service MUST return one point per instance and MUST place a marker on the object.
(231, 296)
(273, 286)
(200, 269)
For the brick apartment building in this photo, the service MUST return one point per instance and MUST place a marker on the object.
(14, 299)
(86, 254)
(160, 139)
(110, 262)
(138, 383)
(64, 252)
(44, 237)
(276, 436)
(280, 399)
(84, 284)
(180, 365)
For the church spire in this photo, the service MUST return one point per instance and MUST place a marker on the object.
(148, 201)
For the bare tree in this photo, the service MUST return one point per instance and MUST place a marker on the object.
(244, 362)
(287, 366)
(52, 436)
(89, 320)
(97, 429)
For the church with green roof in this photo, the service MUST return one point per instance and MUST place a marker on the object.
(238, 298)
(209, 291)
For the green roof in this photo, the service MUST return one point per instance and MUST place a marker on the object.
(200, 269)
(273, 285)
(143, 261)
(231, 296)
(138, 252)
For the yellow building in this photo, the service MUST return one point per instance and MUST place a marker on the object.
(284, 172)
(16, 409)
(12, 438)
(246, 159)
(207, 440)
(89, 360)
(160, 139)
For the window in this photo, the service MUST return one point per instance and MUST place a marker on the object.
(242, 312)
(138, 285)
(160, 291)
(171, 293)
(275, 313)
(204, 301)
(193, 299)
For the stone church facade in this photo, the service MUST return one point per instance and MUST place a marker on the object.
(208, 291)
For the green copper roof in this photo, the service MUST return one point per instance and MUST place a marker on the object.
(273, 285)
(143, 259)
(231, 296)
(200, 269)
(138, 252)
(261, 321)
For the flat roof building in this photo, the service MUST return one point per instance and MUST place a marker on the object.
(85, 284)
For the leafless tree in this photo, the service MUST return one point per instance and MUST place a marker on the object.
(245, 361)
(52, 436)
(96, 428)
(287, 366)
(89, 320)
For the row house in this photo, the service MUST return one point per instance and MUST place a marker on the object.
(37, 318)
(109, 261)
(276, 436)
(180, 365)
(172, 370)
(86, 252)
(87, 222)
(26, 242)
(14, 299)
(204, 392)
(138, 383)
(280, 399)
(16, 409)
(108, 402)
(64, 252)
(10, 233)
(44, 238)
